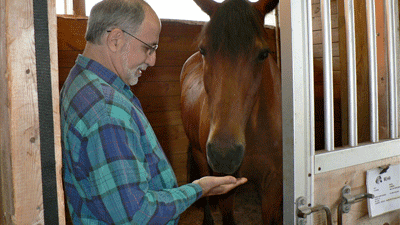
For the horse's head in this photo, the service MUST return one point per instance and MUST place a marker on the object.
(234, 49)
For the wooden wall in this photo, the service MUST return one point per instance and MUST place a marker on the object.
(158, 89)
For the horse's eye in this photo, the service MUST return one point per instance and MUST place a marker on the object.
(202, 51)
(263, 54)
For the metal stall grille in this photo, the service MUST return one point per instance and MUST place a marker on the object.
(301, 161)
(323, 160)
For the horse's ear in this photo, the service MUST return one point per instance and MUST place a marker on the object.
(208, 6)
(265, 6)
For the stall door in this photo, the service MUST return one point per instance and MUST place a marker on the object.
(320, 180)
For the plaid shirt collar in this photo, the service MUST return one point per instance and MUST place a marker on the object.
(108, 76)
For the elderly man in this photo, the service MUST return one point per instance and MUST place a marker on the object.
(115, 171)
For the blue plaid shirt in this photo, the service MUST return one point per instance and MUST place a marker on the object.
(115, 171)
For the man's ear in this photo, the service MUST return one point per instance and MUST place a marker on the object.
(115, 40)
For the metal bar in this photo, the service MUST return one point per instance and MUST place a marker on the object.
(393, 111)
(351, 72)
(311, 109)
(363, 153)
(397, 50)
(310, 85)
(328, 71)
(373, 70)
(296, 100)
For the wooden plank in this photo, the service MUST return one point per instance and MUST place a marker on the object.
(317, 24)
(161, 103)
(328, 192)
(71, 33)
(172, 58)
(158, 73)
(318, 50)
(167, 133)
(318, 68)
(79, 7)
(166, 118)
(145, 89)
(52, 17)
(6, 183)
(317, 36)
(175, 143)
(23, 120)
(179, 162)
(383, 87)
(316, 8)
(174, 43)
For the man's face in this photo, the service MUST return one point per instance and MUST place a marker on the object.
(137, 56)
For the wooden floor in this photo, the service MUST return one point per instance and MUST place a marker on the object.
(247, 209)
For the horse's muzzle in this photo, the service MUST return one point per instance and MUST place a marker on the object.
(225, 160)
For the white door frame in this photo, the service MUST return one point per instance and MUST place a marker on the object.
(297, 104)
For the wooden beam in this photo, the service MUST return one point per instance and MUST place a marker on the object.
(21, 106)
(6, 183)
(20, 159)
(381, 50)
(56, 107)
(79, 8)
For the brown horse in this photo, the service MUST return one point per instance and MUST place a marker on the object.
(231, 103)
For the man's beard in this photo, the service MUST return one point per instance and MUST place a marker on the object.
(134, 74)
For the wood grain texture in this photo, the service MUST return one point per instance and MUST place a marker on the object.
(6, 182)
(328, 188)
(52, 17)
(23, 118)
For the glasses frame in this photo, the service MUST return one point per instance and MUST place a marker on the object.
(152, 48)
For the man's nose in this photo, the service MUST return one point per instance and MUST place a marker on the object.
(151, 59)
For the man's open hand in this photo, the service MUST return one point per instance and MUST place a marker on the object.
(218, 185)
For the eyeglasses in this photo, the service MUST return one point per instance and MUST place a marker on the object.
(151, 49)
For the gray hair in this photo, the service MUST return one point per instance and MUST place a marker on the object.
(109, 14)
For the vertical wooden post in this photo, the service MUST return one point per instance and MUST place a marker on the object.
(79, 8)
(381, 50)
(6, 184)
(56, 106)
(20, 157)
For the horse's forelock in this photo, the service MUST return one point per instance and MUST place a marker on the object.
(233, 28)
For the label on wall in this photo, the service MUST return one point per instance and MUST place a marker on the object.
(385, 186)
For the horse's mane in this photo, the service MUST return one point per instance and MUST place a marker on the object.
(233, 28)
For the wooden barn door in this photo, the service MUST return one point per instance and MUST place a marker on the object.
(316, 180)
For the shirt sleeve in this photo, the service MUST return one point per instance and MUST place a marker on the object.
(118, 187)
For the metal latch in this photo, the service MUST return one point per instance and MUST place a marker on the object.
(348, 200)
(303, 211)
